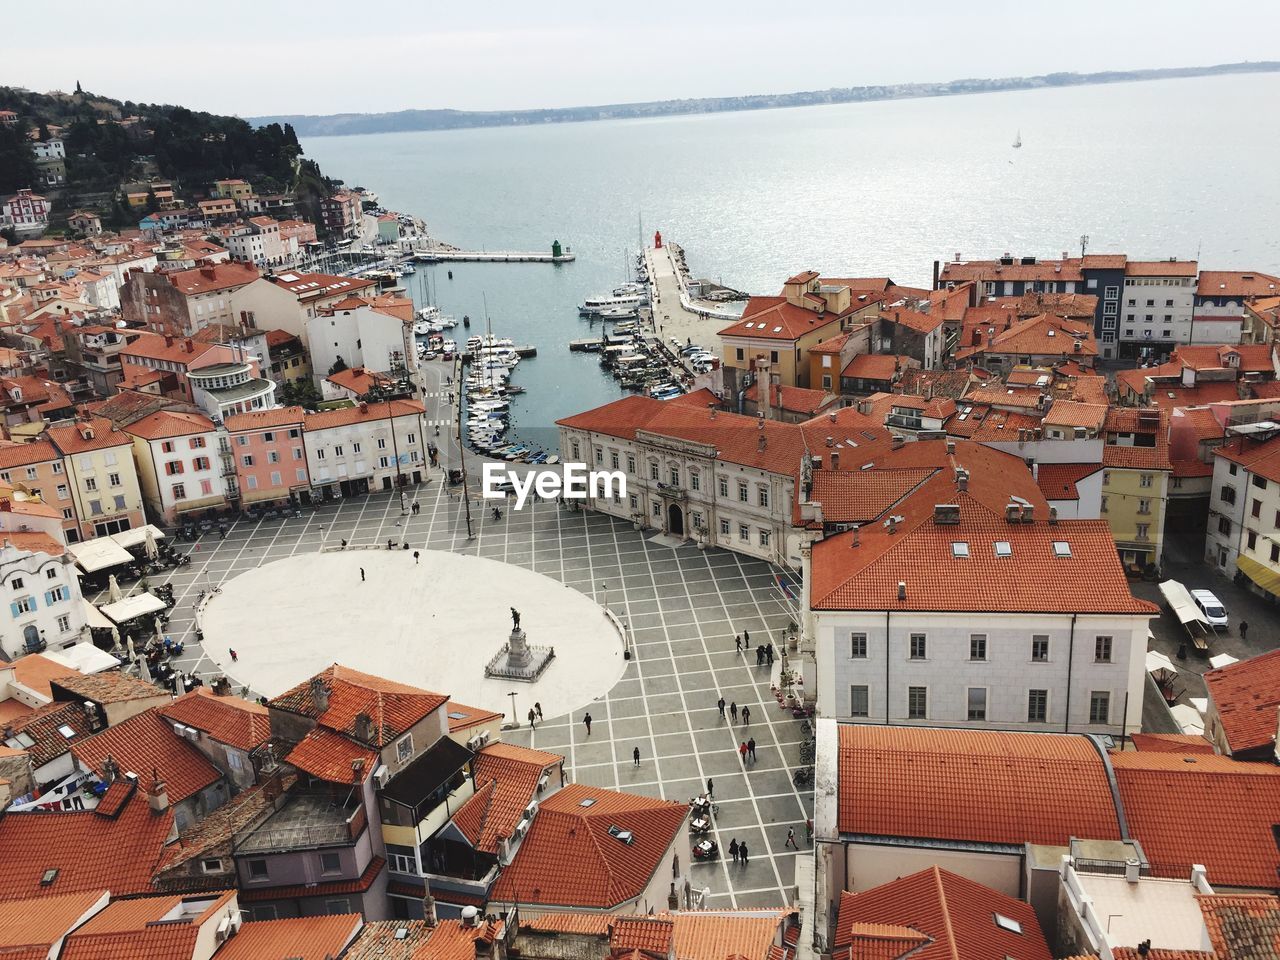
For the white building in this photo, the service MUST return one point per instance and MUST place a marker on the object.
(182, 467)
(40, 583)
(973, 608)
(1158, 305)
(257, 242)
(376, 334)
(26, 213)
(49, 150)
(1243, 535)
(287, 300)
(357, 449)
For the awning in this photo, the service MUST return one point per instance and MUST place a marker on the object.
(1188, 718)
(1184, 608)
(130, 608)
(1158, 661)
(1262, 575)
(137, 536)
(99, 554)
(1222, 660)
(94, 617)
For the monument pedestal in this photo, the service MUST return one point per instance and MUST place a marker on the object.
(517, 660)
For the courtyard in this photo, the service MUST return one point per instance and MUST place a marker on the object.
(682, 608)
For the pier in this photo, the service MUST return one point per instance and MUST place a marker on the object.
(494, 256)
(675, 315)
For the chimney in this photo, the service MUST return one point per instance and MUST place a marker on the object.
(429, 911)
(831, 416)
(168, 340)
(209, 273)
(857, 536)
(1078, 346)
(902, 589)
(363, 728)
(157, 794)
(1028, 513)
(364, 407)
(1144, 947)
(1053, 516)
(1011, 513)
(896, 443)
(951, 447)
(892, 523)
(319, 695)
(835, 460)
(762, 443)
(188, 346)
(1132, 873)
(831, 441)
(712, 408)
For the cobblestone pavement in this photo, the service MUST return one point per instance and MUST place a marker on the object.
(683, 606)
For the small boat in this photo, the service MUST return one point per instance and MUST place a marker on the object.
(552, 459)
(407, 269)
(1017, 140)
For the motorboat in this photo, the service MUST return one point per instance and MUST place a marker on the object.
(615, 313)
(593, 306)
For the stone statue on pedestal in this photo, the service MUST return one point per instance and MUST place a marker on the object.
(515, 620)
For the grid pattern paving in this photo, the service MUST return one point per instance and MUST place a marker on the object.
(683, 608)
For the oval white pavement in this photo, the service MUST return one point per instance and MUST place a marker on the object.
(434, 625)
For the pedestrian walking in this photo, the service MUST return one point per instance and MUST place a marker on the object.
(635, 755)
(742, 752)
(733, 711)
(720, 704)
(751, 749)
(737, 641)
(538, 709)
(768, 654)
(746, 638)
(362, 574)
(746, 716)
(586, 720)
(234, 656)
(711, 788)
(759, 655)
(532, 717)
(733, 849)
(742, 852)
(415, 558)
(791, 840)
(1244, 629)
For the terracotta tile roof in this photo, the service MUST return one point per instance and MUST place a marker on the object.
(277, 338)
(231, 720)
(957, 915)
(585, 923)
(913, 320)
(132, 929)
(1040, 270)
(76, 437)
(1024, 398)
(381, 940)
(1068, 413)
(1231, 283)
(568, 857)
(297, 938)
(217, 829)
(1171, 743)
(44, 726)
(651, 935)
(1242, 927)
(873, 366)
(469, 716)
(1155, 953)
(1161, 268)
(1246, 695)
(1253, 357)
(972, 786)
(1079, 306)
(1042, 336)
(111, 686)
(167, 423)
(1232, 806)
(362, 413)
(328, 889)
(394, 707)
(145, 742)
(1262, 459)
(35, 671)
(359, 380)
(33, 541)
(90, 849)
(1057, 481)
(41, 922)
(507, 780)
(936, 383)
(14, 454)
(859, 496)
(333, 757)
(715, 936)
(307, 286)
(831, 345)
(773, 318)
(265, 419)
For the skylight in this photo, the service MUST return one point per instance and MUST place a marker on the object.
(1061, 548)
(960, 549)
(455, 715)
(586, 801)
(1007, 923)
(1003, 548)
(67, 731)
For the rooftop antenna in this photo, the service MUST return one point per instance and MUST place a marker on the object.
(1084, 243)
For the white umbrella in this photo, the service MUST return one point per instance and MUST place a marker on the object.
(159, 628)
(132, 654)
(113, 589)
(150, 544)
(144, 669)
(115, 637)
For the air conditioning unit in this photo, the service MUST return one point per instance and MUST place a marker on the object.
(531, 809)
(522, 828)
(179, 729)
(542, 782)
(193, 734)
(381, 775)
(227, 928)
(483, 738)
(473, 744)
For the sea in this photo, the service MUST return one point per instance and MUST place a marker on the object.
(1155, 169)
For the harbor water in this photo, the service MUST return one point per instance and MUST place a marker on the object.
(875, 189)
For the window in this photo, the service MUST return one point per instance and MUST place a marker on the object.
(16, 583)
(695, 481)
(1143, 532)
(917, 703)
(724, 487)
(297, 453)
(330, 863)
(1007, 923)
(1037, 706)
(918, 647)
(1252, 539)
(631, 463)
(31, 473)
(1257, 508)
(23, 605)
(1144, 505)
(1224, 526)
(56, 595)
(1110, 293)
(1103, 507)
(247, 460)
(764, 538)
(657, 512)
(91, 484)
(859, 701)
(1102, 650)
(242, 441)
(273, 457)
(613, 459)
(724, 528)
(257, 869)
(960, 549)
(858, 646)
(179, 491)
(337, 449)
(762, 496)
(113, 479)
(653, 470)
(744, 533)
(404, 748)
(738, 353)
(675, 476)
(1145, 480)
(200, 463)
(978, 646)
(64, 624)
(1003, 548)
(211, 865)
(57, 466)
(51, 573)
(977, 703)
(197, 443)
(401, 864)
(1040, 649)
(1259, 481)
(166, 446)
(577, 451)
(382, 445)
(206, 489)
(1100, 706)
(1061, 548)
(742, 491)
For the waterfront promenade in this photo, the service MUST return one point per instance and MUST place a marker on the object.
(674, 314)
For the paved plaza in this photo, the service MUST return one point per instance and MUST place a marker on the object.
(683, 607)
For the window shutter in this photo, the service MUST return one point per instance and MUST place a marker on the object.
(17, 611)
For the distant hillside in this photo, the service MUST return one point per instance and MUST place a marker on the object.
(308, 125)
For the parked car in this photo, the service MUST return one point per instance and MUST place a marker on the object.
(1214, 612)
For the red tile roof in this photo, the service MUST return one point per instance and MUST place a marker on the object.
(393, 707)
(14, 454)
(506, 778)
(879, 941)
(1214, 811)
(1057, 481)
(41, 922)
(1246, 696)
(1161, 268)
(1252, 357)
(90, 849)
(914, 319)
(1242, 926)
(1068, 413)
(362, 413)
(469, 716)
(568, 857)
(652, 935)
(1232, 283)
(873, 366)
(298, 938)
(333, 757)
(956, 914)
(858, 496)
(307, 286)
(146, 742)
(153, 346)
(111, 686)
(383, 940)
(231, 720)
(1171, 743)
(1262, 459)
(773, 318)
(266, 419)
(44, 726)
(1042, 336)
(94, 433)
(133, 929)
(972, 786)
(167, 423)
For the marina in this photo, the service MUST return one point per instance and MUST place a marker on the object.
(557, 254)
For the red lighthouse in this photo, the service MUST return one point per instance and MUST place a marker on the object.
(657, 240)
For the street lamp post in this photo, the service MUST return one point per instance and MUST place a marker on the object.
(514, 718)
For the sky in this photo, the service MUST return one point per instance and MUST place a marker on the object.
(282, 57)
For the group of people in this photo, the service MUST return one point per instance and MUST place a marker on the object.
(747, 750)
(535, 717)
(733, 712)
(764, 651)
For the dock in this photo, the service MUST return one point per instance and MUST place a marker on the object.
(492, 256)
(587, 345)
(675, 315)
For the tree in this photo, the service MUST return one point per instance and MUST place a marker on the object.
(338, 366)
(79, 89)
(17, 162)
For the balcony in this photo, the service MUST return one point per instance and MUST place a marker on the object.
(307, 821)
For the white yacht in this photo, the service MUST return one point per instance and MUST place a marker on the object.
(594, 305)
